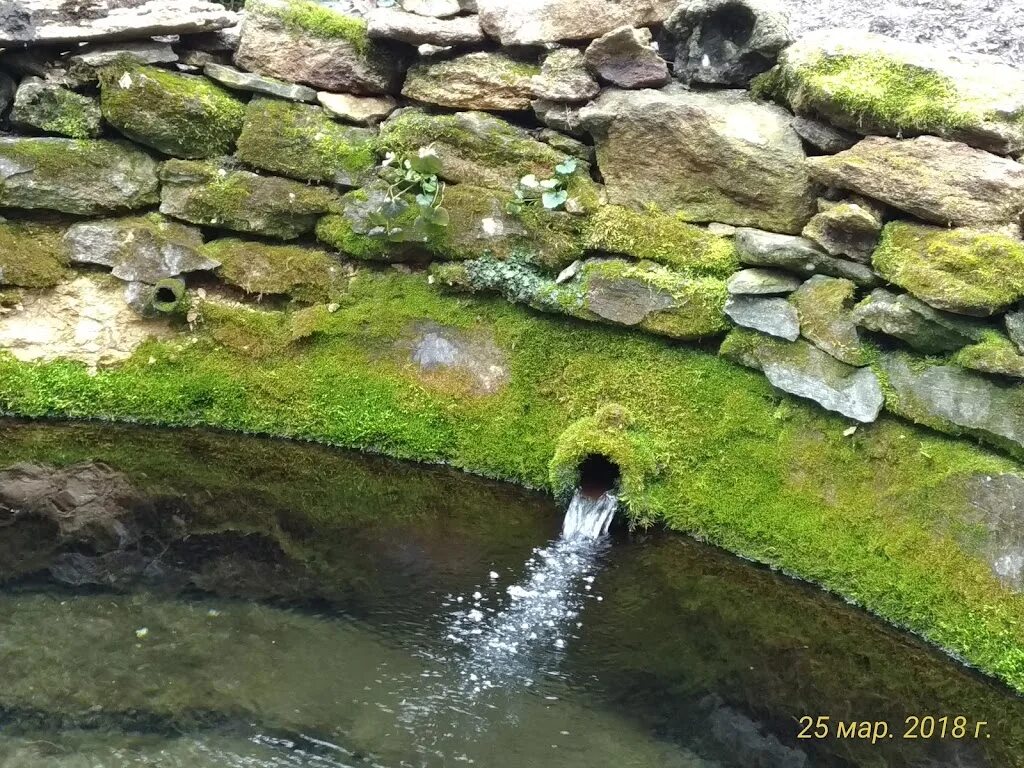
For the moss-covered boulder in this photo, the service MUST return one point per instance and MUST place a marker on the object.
(492, 81)
(876, 85)
(85, 177)
(825, 305)
(960, 270)
(474, 147)
(305, 274)
(300, 141)
(354, 229)
(849, 228)
(180, 115)
(144, 249)
(994, 354)
(210, 195)
(51, 108)
(31, 255)
(924, 328)
(301, 41)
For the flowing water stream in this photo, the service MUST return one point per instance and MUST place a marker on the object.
(191, 599)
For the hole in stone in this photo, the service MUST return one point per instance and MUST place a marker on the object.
(598, 474)
(165, 295)
(733, 23)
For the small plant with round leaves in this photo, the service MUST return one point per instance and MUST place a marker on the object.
(412, 210)
(550, 194)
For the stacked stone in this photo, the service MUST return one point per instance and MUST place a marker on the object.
(851, 203)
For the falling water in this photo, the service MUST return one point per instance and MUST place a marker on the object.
(589, 518)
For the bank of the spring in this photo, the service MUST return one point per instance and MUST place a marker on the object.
(440, 239)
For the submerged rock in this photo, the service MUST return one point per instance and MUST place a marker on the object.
(700, 165)
(849, 228)
(491, 81)
(85, 177)
(246, 81)
(624, 57)
(801, 369)
(797, 254)
(873, 84)
(936, 180)
(726, 42)
(300, 141)
(415, 29)
(776, 317)
(825, 305)
(300, 41)
(51, 108)
(365, 110)
(762, 282)
(950, 399)
(564, 78)
(142, 249)
(531, 22)
(959, 270)
(911, 320)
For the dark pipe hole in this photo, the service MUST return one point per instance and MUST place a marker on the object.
(734, 23)
(598, 474)
(165, 296)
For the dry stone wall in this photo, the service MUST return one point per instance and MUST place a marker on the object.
(844, 209)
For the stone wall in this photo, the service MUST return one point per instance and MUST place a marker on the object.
(844, 209)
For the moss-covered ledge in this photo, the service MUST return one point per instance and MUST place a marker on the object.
(880, 517)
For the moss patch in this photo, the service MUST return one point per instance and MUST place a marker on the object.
(52, 109)
(306, 17)
(995, 354)
(31, 255)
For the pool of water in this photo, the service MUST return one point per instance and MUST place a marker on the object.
(196, 599)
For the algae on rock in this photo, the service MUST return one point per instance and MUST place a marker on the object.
(304, 274)
(51, 108)
(31, 255)
(493, 81)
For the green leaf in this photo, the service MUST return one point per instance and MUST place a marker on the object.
(554, 200)
(567, 168)
(426, 162)
(550, 183)
(392, 209)
(436, 216)
(529, 181)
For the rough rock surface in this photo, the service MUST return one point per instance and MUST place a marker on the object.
(145, 249)
(477, 357)
(270, 46)
(997, 505)
(848, 228)
(934, 179)
(530, 22)
(438, 9)
(726, 42)
(720, 156)
(951, 399)
(86, 319)
(82, 177)
(365, 110)
(922, 327)
(1015, 327)
(50, 108)
(994, 354)
(824, 138)
(624, 57)
(564, 78)
(263, 269)
(391, 24)
(560, 116)
(825, 305)
(762, 282)
(140, 51)
(246, 81)
(776, 317)
(42, 22)
(804, 370)
(797, 254)
(491, 81)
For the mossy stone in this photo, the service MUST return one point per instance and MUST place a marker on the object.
(484, 80)
(51, 108)
(349, 229)
(304, 274)
(300, 141)
(31, 255)
(180, 115)
(994, 354)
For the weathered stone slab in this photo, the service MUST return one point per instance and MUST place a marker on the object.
(936, 180)
(85, 177)
(798, 255)
(823, 137)
(438, 9)
(246, 81)
(140, 51)
(44, 22)
(994, 354)
(776, 317)
(564, 78)
(391, 24)
(825, 305)
(365, 110)
(531, 22)
(720, 156)
(263, 269)
(50, 108)
(911, 320)
(624, 57)
(850, 228)
(762, 282)
(487, 81)
(802, 369)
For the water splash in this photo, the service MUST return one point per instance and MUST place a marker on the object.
(589, 518)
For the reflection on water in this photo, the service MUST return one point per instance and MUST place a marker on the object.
(205, 600)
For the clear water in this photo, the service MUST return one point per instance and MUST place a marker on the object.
(258, 603)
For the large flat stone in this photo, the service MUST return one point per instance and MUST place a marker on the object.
(911, 320)
(762, 282)
(712, 156)
(391, 24)
(488, 81)
(936, 180)
(776, 317)
(797, 254)
(825, 305)
(246, 81)
(531, 22)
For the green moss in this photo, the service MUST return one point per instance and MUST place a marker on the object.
(52, 109)
(995, 354)
(662, 238)
(307, 17)
(777, 481)
(31, 255)
(300, 141)
(959, 269)
(179, 115)
(305, 274)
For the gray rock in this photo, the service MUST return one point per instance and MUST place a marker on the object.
(762, 282)
(936, 180)
(363, 110)
(144, 249)
(950, 399)
(909, 319)
(516, 23)
(776, 317)
(994, 354)
(271, 47)
(804, 370)
(726, 42)
(847, 228)
(996, 506)
(85, 177)
(43, 22)
(246, 81)
(704, 168)
(50, 108)
(567, 144)
(391, 24)
(142, 51)
(560, 116)
(823, 137)
(1015, 327)
(438, 9)
(624, 57)
(797, 254)
(491, 81)
(625, 302)
(825, 305)
(564, 78)
(193, 62)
